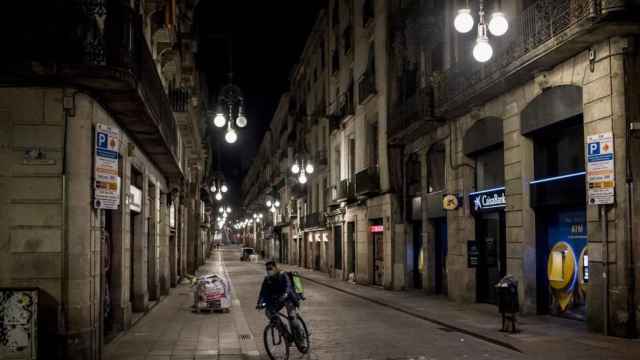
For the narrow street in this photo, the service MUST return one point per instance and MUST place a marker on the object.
(342, 327)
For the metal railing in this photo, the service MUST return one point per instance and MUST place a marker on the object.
(179, 99)
(415, 109)
(541, 22)
(314, 220)
(343, 191)
(366, 86)
(367, 182)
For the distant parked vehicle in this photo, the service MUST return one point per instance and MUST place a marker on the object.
(247, 252)
(212, 292)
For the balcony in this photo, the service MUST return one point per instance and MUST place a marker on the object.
(179, 99)
(545, 34)
(366, 86)
(412, 117)
(315, 220)
(343, 191)
(367, 182)
(321, 157)
(111, 61)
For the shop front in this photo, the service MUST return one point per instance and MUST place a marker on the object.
(483, 143)
(554, 123)
(317, 244)
(376, 229)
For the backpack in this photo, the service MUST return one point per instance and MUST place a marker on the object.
(296, 283)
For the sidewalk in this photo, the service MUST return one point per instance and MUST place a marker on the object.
(172, 331)
(540, 336)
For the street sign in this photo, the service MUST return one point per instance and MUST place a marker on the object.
(600, 169)
(106, 172)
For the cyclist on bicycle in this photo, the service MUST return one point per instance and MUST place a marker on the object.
(277, 292)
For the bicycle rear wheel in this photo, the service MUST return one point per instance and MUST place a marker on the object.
(303, 343)
(275, 343)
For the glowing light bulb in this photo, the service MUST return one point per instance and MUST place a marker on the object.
(463, 21)
(231, 136)
(302, 178)
(483, 51)
(295, 168)
(309, 169)
(241, 121)
(218, 196)
(498, 25)
(219, 120)
(224, 188)
(268, 203)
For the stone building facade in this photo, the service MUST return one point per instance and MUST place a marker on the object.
(447, 174)
(98, 270)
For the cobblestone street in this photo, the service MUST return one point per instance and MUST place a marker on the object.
(343, 326)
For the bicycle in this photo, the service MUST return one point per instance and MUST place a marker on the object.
(277, 337)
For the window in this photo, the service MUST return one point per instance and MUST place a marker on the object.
(368, 12)
(559, 149)
(490, 168)
(436, 168)
(374, 157)
(352, 157)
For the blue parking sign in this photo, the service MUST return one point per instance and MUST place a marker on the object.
(594, 148)
(102, 140)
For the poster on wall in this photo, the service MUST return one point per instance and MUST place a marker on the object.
(600, 169)
(106, 171)
(18, 324)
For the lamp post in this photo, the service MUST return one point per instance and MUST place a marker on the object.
(498, 26)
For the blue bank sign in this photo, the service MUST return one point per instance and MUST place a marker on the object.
(488, 200)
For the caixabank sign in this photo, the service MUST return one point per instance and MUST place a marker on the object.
(488, 200)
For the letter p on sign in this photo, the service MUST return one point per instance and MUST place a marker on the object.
(594, 148)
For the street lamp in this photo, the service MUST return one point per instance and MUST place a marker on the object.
(219, 188)
(230, 105)
(498, 26)
(273, 205)
(302, 167)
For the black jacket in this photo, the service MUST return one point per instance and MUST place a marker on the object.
(273, 290)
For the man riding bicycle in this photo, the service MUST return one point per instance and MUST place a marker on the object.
(277, 292)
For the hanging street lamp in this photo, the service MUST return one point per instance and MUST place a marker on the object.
(219, 187)
(302, 168)
(230, 106)
(498, 26)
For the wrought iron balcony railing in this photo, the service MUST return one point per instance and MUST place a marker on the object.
(98, 46)
(366, 86)
(409, 117)
(314, 220)
(179, 99)
(544, 34)
(367, 182)
(343, 191)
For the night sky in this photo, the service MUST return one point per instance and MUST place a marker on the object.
(267, 41)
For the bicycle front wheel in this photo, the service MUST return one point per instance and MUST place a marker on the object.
(276, 343)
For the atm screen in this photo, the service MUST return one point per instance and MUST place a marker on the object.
(585, 268)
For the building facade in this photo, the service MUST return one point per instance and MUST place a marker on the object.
(118, 79)
(446, 174)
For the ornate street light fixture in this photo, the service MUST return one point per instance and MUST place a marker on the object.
(230, 105)
(498, 26)
(273, 205)
(302, 168)
(219, 187)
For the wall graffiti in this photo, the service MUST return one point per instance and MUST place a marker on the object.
(18, 323)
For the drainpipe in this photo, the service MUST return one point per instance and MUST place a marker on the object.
(631, 330)
(605, 270)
